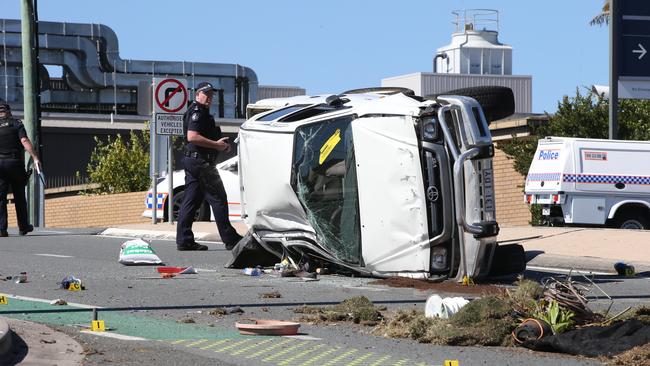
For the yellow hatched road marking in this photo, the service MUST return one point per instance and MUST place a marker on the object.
(215, 343)
(252, 346)
(264, 350)
(402, 362)
(196, 343)
(284, 351)
(233, 345)
(360, 359)
(179, 341)
(340, 357)
(301, 354)
(312, 360)
(380, 361)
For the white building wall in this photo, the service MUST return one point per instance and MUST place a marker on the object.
(426, 83)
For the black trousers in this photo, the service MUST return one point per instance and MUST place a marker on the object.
(202, 182)
(12, 173)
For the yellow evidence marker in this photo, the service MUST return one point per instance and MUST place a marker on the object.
(98, 326)
(4, 300)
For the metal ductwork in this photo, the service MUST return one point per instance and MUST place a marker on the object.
(95, 78)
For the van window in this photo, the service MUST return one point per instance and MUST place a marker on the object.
(324, 178)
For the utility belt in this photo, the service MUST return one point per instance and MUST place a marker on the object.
(10, 155)
(199, 155)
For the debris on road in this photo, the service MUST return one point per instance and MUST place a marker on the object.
(176, 270)
(359, 310)
(268, 327)
(58, 302)
(248, 271)
(21, 278)
(437, 307)
(219, 312)
(138, 252)
(71, 283)
(271, 295)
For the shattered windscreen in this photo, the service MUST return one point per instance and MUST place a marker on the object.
(325, 180)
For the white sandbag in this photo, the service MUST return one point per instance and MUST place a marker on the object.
(138, 251)
(437, 307)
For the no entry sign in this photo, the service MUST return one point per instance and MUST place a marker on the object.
(170, 96)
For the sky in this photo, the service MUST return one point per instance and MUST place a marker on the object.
(335, 45)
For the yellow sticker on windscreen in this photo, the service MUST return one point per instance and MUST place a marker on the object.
(329, 145)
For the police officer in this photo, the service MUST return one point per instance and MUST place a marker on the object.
(203, 141)
(13, 139)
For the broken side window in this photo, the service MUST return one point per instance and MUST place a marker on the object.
(325, 181)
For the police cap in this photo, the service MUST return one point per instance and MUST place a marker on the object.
(4, 107)
(205, 87)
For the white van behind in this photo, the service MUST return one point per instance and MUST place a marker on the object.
(592, 182)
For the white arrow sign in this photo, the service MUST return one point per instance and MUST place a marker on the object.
(641, 52)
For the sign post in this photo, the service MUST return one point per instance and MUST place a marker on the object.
(169, 104)
(629, 59)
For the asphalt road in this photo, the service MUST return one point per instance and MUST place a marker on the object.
(168, 319)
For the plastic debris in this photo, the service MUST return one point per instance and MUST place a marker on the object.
(437, 307)
(138, 252)
(252, 271)
(21, 278)
(177, 270)
(71, 282)
(268, 327)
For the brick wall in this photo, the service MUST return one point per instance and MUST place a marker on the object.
(126, 208)
(509, 194)
(91, 211)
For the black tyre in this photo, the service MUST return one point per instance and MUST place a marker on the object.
(508, 259)
(202, 214)
(497, 101)
(631, 220)
(384, 90)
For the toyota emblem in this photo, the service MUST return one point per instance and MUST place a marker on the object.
(432, 193)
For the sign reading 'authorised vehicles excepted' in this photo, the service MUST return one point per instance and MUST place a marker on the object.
(169, 124)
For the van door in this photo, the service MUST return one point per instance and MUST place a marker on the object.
(545, 172)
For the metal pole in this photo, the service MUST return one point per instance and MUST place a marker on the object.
(30, 91)
(153, 151)
(614, 12)
(170, 183)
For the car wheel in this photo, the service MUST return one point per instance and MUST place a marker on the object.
(508, 259)
(631, 221)
(202, 214)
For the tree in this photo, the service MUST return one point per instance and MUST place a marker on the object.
(603, 17)
(120, 165)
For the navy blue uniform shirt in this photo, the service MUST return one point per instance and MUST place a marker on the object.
(11, 132)
(198, 119)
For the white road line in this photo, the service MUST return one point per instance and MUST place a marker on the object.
(564, 270)
(46, 301)
(114, 335)
(54, 255)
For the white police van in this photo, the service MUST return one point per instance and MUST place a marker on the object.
(591, 182)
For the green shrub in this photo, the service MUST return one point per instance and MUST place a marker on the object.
(119, 165)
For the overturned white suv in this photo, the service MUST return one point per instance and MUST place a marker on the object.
(377, 181)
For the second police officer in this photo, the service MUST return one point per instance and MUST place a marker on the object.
(203, 141)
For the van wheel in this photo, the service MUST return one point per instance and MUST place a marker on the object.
(631, 221)
(497, 101)
(202, 214)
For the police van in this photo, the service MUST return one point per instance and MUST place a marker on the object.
(378, 181)
(591, 182)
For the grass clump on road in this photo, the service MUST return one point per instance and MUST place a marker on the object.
(359, 310)
(485, 321)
